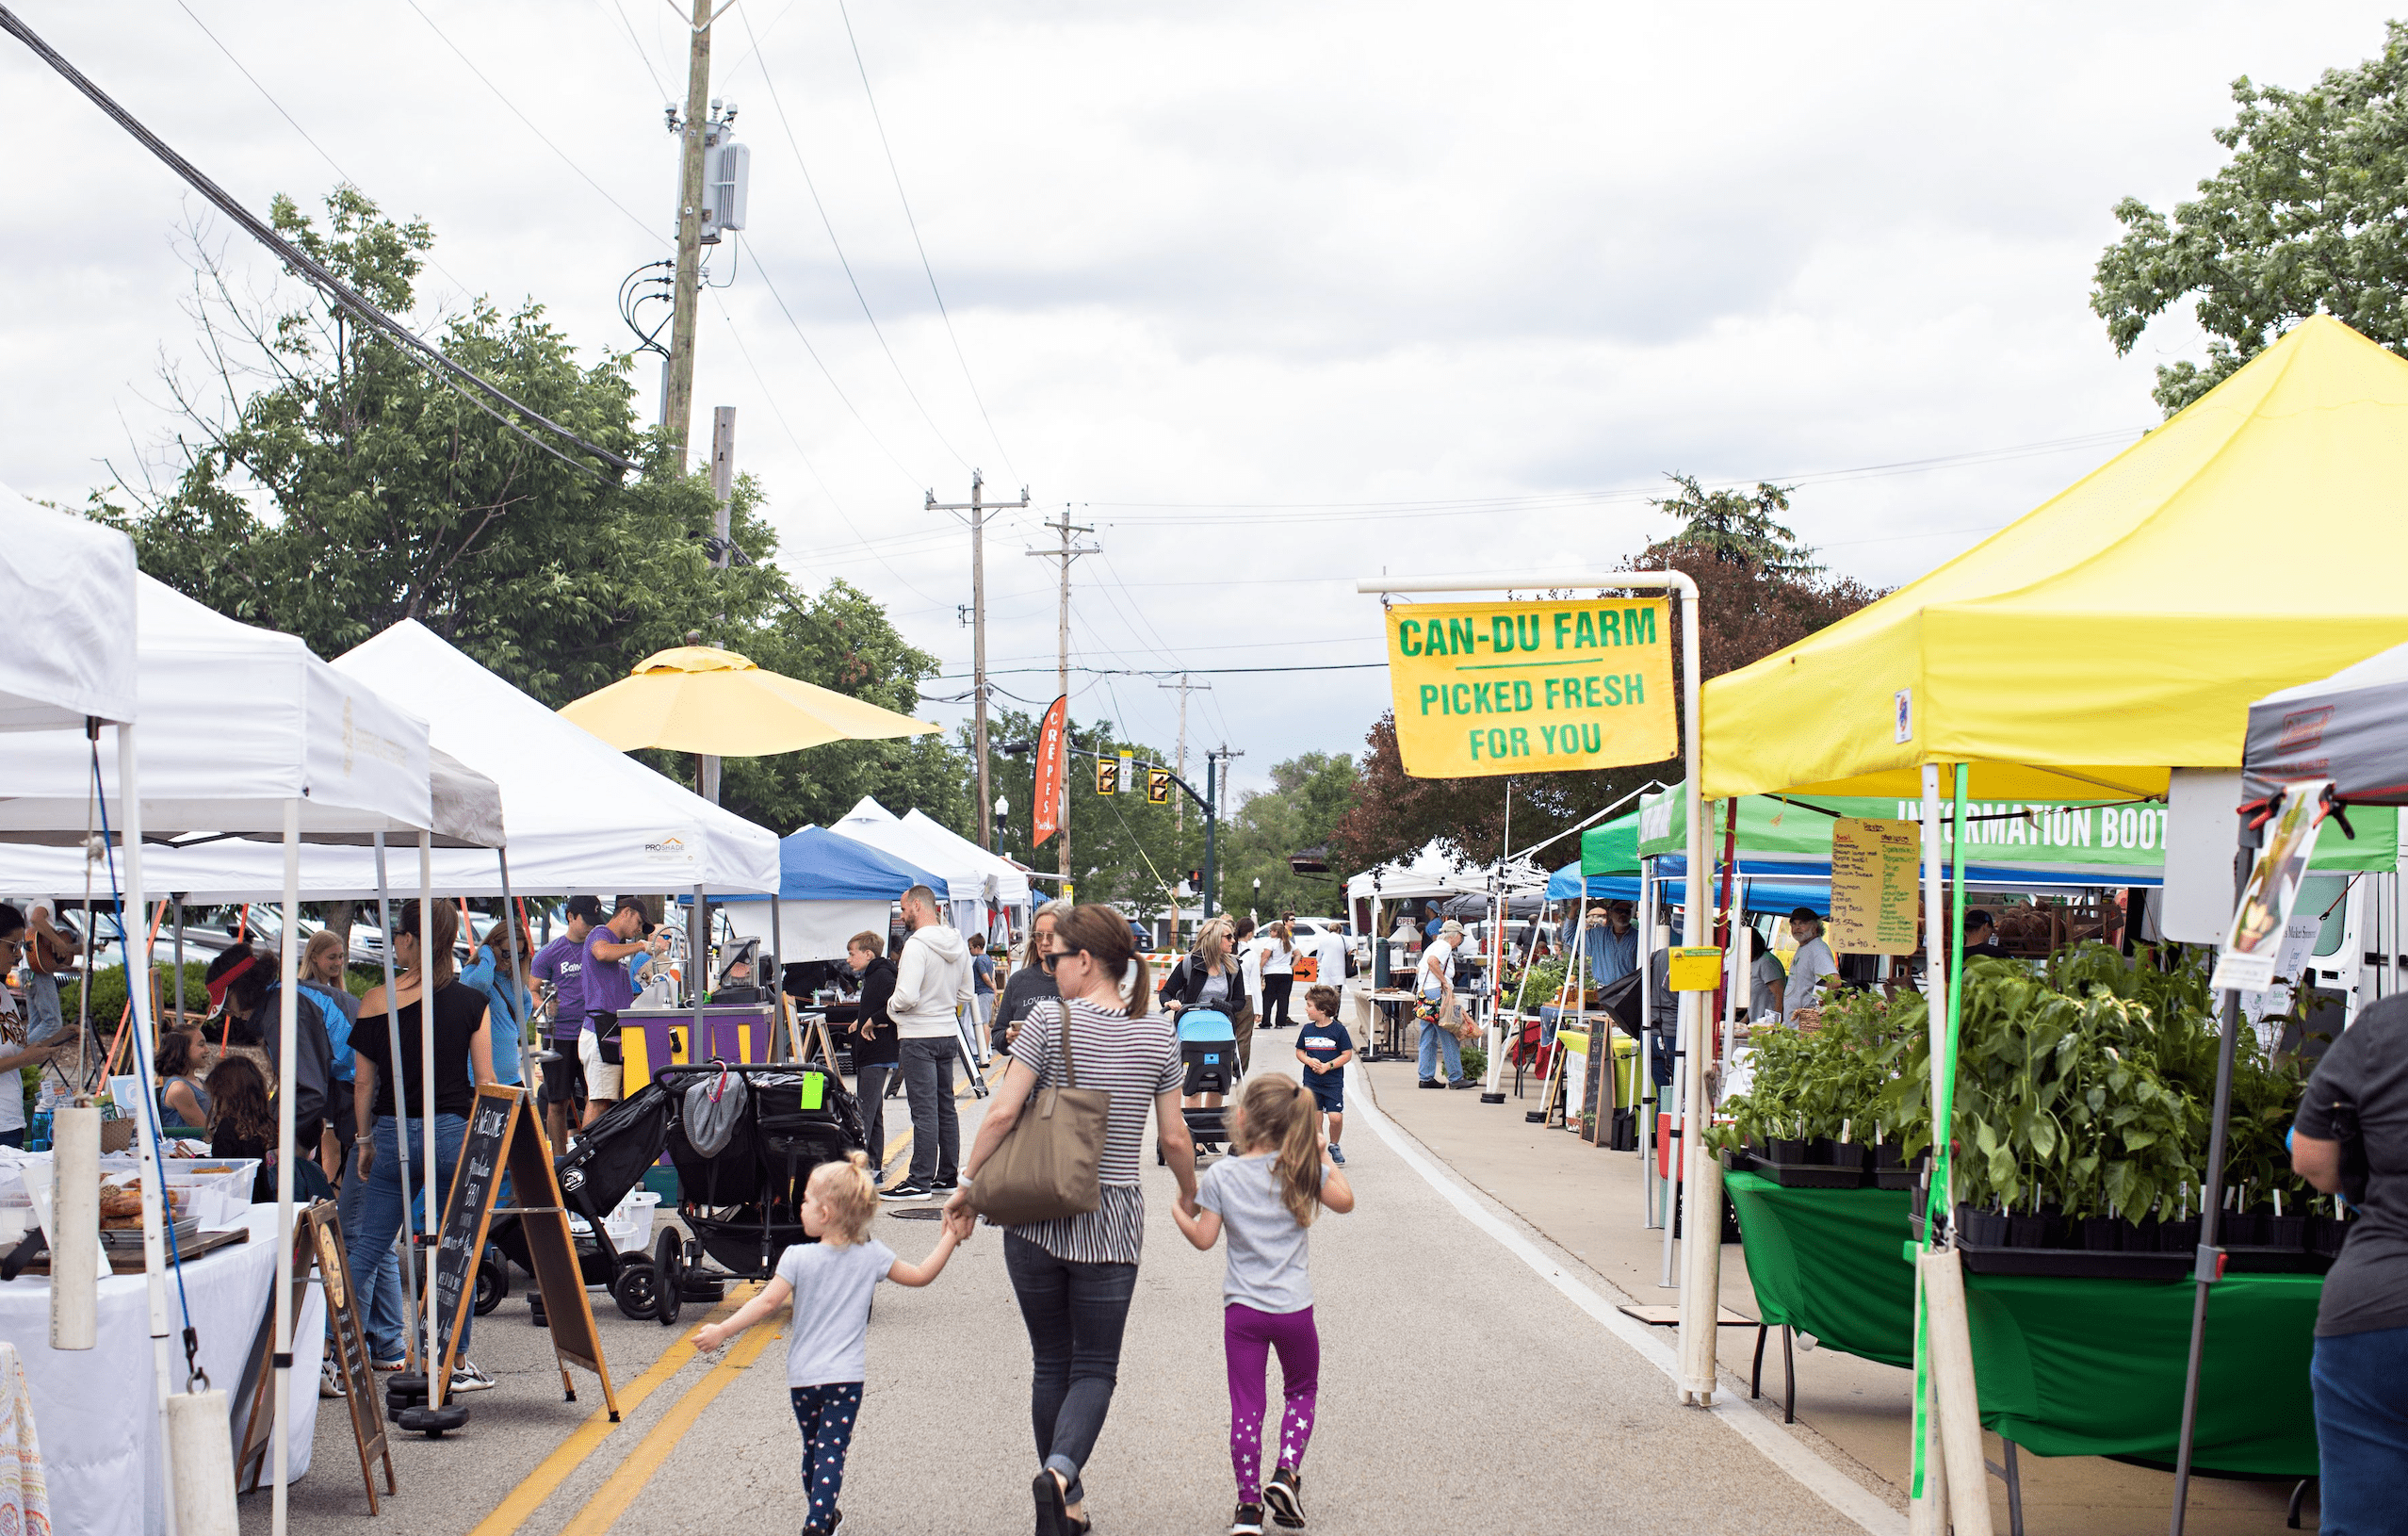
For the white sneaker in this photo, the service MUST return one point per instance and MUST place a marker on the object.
(330, 1381)
(465, 1376)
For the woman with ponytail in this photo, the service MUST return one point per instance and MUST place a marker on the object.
(1075, 1275)
(1266, 1197)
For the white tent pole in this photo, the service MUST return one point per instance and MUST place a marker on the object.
(697, 971)
(1930, 1511)
(774, 972)
(401, 1098)
(426, 1252)
(1647, 1035)
(146, 1130)
(288, 1034)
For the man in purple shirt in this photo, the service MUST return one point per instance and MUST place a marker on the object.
(607, 990)
(562, 963)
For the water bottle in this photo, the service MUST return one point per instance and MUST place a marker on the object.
(37, 1134)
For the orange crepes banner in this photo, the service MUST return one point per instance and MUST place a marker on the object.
(1048, 809)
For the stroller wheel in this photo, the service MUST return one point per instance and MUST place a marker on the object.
(637, 1290)
(669, 1265)
(493, 1281)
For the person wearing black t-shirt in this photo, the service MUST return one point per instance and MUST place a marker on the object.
(876, 1048)
(2350, 1139)
(462, 1062)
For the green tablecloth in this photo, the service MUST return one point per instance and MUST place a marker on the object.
(2065, 1367)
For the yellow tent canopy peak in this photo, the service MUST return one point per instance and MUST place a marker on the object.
(693, 659)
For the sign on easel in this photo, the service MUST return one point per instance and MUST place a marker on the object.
(258, 1387)
(348, 1341)
(1876, 867)
(504, 1140)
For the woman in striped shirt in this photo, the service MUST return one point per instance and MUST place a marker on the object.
(1075, 1276)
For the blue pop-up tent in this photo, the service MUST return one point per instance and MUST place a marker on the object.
(830, 886)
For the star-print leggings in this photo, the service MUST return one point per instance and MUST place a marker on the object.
(826, 1414)
(1249, 1337)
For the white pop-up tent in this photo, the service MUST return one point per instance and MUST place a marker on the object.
(1009, 885)
(246, 733)
(964, 878)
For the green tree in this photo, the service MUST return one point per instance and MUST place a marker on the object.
(1736, 528)
(1307, 796)
(2306, 217)
(327, 486)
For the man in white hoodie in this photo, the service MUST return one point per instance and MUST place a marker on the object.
(932, 987)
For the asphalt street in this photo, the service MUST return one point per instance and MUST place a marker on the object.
(1472, 1377)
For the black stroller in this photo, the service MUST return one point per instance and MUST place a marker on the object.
(739, 1200)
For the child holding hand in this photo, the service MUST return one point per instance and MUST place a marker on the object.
(1265, 1198)
(827, 1349)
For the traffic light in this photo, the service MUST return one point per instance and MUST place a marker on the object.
(1107, 775)
(1195, 878)
(1158, 786)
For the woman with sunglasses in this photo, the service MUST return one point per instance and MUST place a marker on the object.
(1032, 980)
(1075, 1276)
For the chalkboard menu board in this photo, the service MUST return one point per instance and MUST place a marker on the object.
(503, 1140)
(465, 1215)
(347, 1348)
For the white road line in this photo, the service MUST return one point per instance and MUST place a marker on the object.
(1749, 1422)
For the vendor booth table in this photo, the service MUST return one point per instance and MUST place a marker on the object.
(2065, 1366)
(654, 1038)
(97, 1445)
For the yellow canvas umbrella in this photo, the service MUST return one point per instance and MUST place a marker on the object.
(702, 699)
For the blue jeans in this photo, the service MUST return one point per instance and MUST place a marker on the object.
(1075, 1314)
(380, 1214)
(377, 1289)
(1434, 1039)
(2360, 1384)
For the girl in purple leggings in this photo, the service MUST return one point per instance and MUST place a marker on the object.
(1266, 1196)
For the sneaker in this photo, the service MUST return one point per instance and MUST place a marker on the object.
(943, 1186)
(389, 1364)
(465, 1376)
(1429, 1083)
(1463, 1082)
(1247, 1521)
(905, 1190)
(1284, 1494)
(330, 1381)
(1337, 1154)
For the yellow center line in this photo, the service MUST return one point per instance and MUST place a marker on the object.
(603, 1508)
(555, 1469)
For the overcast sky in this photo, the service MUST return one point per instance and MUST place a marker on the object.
(1273, 296)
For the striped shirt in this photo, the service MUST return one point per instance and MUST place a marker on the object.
(1132, 1060)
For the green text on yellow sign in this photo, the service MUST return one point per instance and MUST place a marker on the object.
(1525, 687)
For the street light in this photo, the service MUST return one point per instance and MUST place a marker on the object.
(1003, 807)
(1251, 910)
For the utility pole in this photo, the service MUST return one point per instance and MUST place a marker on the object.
(677, 411)
(722, 485)
(977, 507)
(1066, 553)
(1184, 687)
(1213, 782)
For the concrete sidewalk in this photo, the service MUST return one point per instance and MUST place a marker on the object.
(1856, 1412)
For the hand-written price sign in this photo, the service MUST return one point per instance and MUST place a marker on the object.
(1522, 688)
(465, 1216)
(1873, 886)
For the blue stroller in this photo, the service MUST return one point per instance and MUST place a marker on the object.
(1208, 1043)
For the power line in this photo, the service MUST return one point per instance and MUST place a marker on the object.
(635, 43)
(896, 171)
(761, 267)
(522, 116)
(778, 103)
(778, 411)
(310, 268)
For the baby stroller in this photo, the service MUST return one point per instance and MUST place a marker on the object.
(610, 1158)
(1208, 1043)
(744, 1139)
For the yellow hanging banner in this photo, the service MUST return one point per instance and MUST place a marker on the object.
(1531, 688)
(1697, 969)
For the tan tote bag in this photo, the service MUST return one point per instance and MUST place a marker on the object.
(1047, 1168)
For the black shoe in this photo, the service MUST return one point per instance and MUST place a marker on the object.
(905, 1190)
(1247, 1521)
(1429, 1083)
(1052, 1514)
(944, 1186)
(1284, 1494)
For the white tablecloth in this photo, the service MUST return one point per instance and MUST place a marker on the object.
(95, 1408)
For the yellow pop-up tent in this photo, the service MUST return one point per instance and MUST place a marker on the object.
(2252, 542)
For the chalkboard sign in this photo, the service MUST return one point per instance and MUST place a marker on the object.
(257, 1390)
(346, 1344)
(502, 1138)
(466, 1213)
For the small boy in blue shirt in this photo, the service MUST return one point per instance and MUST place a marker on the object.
(1325, 1048)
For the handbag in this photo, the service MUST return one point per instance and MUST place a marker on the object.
(1048, 1164)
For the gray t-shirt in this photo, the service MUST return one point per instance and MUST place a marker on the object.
(830, 1338)
(1268, 1251)
(2365, 1072)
